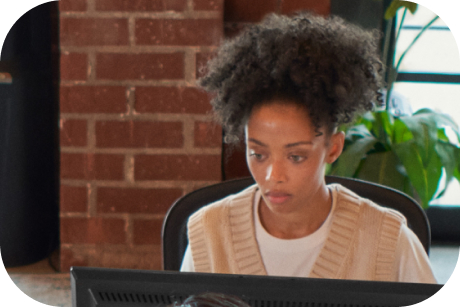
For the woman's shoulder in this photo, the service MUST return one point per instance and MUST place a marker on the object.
(355, 203)
(237, 202)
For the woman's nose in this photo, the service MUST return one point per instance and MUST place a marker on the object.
(276, 172)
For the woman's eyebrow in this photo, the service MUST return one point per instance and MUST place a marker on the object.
(257, 142)
(298, 143)
(286, 146)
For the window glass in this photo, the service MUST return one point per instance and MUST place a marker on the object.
(435, 53)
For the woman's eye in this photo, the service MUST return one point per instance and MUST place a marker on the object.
(256, 156)
(297, 158)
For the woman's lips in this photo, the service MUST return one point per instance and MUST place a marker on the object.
(277, 197)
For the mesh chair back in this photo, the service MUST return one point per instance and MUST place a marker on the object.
(174, 233)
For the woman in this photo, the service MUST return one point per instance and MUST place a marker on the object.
(286, 84)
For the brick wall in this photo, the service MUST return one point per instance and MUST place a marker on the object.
(135, 134)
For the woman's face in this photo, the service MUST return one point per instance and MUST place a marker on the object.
(286, 157)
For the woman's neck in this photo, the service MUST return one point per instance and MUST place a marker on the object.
(298, 224)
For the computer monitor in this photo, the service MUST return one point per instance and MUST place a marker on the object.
(101, 287)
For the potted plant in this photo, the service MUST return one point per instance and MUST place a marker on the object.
(418, 154)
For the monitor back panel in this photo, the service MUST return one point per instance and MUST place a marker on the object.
(97, 287)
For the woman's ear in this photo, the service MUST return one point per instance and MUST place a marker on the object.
(336, 143)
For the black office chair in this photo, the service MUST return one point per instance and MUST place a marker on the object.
(174, 231)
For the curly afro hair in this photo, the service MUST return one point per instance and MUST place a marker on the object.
(325, 64)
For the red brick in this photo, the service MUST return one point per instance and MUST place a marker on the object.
(319, 7)
(141, 5)
(74, 66)
(248, 11)
(92, 166)
(177, 32)
(201, 60)
(232, 29)
(93, 31)
(73, 132)
(139, 134)
(68, 258)
(93, 230)
(136, 200)
(73, 199)
(147, 231)
(93, 99)
(161, 99)
(72, 5)
(207, 134)
(208, 5)
(140, 66)
(177, 167)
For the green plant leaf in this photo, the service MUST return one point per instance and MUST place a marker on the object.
(425, 132)
(446, 153)
(441, 119)
(354, 134)
(442, 136)
(359, 130)
(367, 119)
(401, 132)
(348, 162)
(383, 127)
(396, 5)
(457, 169)
(380, 168)
(424, 175)
(457, 173)
(409, 153)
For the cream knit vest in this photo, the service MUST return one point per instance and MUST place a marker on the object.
(361, 243)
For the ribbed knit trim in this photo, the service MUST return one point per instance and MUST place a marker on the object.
(390, 230)
(245, 246)
(200, 251)
(338, 244)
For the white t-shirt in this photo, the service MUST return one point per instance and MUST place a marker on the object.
(296, 257)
